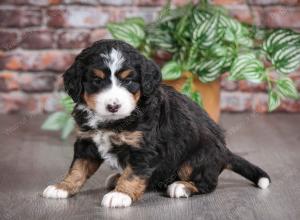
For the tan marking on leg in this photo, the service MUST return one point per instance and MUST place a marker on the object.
(80, 171)
(132, 185)
(190, 185)
(133, 139)
(185, 172)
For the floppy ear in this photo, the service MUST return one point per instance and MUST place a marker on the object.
(150, 77)
(73, 81)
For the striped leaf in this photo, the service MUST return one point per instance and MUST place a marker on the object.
(247, 67)
(206, 34)
(274, 100)
(280, 38)
(286, 87)
(287, 59)
(131, 33)
(171, 71)
(187, 89)
(209, 71)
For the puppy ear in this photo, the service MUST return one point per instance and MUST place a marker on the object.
(150, 77)
(73, 81)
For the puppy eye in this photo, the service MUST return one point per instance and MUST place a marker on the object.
(127, 82)
(97, 80)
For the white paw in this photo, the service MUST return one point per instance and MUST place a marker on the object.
(263, 183)
(116, 199)
(178, 190)
(52, 192)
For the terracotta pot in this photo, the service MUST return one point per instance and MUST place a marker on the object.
(210, 93)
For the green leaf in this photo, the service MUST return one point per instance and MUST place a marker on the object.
(274, 100)
(210, 70)
(55, 121)
(68, 128)
(67, 103)
(187, 87)
(287, 59)
(247, 67)
(131, 33)
(287, 88)
(280, 38)
(171, 71)
(206, 34)
(196, 97)
(136, 20)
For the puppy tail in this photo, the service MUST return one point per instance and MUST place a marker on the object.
(249, 171)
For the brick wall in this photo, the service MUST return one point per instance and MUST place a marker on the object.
(39, 39)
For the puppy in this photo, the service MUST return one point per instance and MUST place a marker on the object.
(154, 136)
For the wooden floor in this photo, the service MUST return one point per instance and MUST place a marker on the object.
(31, 159)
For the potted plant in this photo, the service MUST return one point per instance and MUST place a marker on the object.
(204, 42)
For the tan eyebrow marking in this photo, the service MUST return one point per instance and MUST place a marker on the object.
(99, 73)
(124, 74)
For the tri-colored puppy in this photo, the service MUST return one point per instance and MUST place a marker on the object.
(154, 136)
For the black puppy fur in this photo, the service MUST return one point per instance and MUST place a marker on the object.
(175, 131)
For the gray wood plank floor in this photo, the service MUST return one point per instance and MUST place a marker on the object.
(31, 159)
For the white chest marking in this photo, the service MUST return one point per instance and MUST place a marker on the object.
(102, 140)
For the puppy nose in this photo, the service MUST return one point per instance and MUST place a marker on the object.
(113, 107)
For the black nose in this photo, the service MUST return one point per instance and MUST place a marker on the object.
(113, 107)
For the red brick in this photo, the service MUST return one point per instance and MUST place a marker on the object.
(260, 102)
(82, 2)
(228, 85)
(274, 2)
(8, 81)
(290, 106)
(296, 77)
(75, 16)
(247, 86)
(40, 39)
(116, 2)
(245, 14)
(26, 2)
(73, 39)
(19, 102)
(98, 34)
(225, 2)
(37, 82)
(236, 101)
(14, 102)
(8, 40)
(147, 13)
(49, 102)
(150, 2)
(279, 16)
(20, 17)
(37, 60)
(56, 17)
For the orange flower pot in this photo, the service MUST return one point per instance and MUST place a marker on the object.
(210, 93)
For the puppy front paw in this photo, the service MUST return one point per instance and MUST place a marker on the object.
(116, 200)
(178, 190)
(54, 192)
